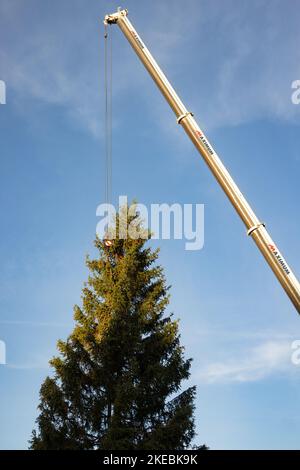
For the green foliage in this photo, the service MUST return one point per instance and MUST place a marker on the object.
(117, 380)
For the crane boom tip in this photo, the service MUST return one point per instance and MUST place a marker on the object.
(112, 18)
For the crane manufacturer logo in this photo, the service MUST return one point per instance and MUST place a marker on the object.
(279, 258)
(204, 141)
(141, 45)
(2, 92)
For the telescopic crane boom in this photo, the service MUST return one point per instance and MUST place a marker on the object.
(255, 228)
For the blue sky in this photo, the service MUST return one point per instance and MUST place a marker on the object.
(232, 63)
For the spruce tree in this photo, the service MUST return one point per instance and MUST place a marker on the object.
(117, 380)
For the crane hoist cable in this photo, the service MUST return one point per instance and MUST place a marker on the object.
(108, 121)
(108, 113)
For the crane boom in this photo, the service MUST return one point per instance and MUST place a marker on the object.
(255, 228)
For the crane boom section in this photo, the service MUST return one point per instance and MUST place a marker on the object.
(255, 228)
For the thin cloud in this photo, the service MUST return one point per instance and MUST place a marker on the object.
(29, 366)
(61, 63)
(34, 323)
(246, 81)
(271, 358)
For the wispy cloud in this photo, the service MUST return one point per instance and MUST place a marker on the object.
(34, 323)
(257, 363)
(27, 366)
(59, 62)
(53, 62)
